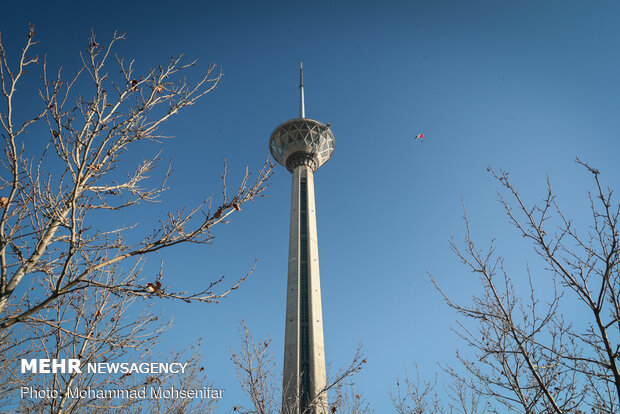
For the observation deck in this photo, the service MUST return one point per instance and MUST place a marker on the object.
(302, 141)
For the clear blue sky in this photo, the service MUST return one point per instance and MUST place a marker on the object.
(523, 86)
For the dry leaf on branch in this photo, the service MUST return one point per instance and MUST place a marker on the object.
(236, 206)
(153, 287)
(218, 213)
(4, 201)
(159, 88)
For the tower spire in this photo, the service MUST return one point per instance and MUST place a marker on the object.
(302, 108)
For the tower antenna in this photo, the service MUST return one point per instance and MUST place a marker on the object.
(302, 108)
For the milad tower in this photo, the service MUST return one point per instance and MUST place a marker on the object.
(302, 145)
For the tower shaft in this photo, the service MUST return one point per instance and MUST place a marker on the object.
(304, 355)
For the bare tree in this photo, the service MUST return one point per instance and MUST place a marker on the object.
(68, 274)
(528, 354)
(97, 326)
(415, 396)
(255, 368)
(347, 399)
(256, 374)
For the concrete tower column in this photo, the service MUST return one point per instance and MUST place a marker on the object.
(304, 355)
